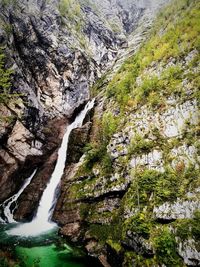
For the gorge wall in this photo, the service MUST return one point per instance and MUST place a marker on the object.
(130, 191)
(133, 198)
(55, 51)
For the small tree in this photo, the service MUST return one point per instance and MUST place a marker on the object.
(5, 79)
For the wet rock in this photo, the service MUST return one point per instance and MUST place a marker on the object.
(104, 261)
(71, 230)
(8, 166)
(77, 140)
(29, 199)
(67, 213)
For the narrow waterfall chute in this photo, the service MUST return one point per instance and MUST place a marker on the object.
(6, 205)
(42, 221)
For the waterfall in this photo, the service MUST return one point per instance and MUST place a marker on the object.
(6, 205)
(42, 221)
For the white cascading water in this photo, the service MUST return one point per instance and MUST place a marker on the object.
(6, 205)
(42, 221)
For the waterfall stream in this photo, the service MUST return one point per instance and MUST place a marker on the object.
(42, 221)
(6, 205)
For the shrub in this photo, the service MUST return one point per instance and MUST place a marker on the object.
(165, 246)
(160, 187)
(140, 224)
(109, 126)
(140, 145)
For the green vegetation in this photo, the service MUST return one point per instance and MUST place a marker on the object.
(173, 37)
(5, 80)
(6, 97)
(106, 233)
(121, 85)
(96, 151)
(8, 2)
(99, 85)
(189, 228)
(69, 8)
(140, 145)
(114, 245)
(140, 224)
(151, 187)
(165, 246)
(160, 69)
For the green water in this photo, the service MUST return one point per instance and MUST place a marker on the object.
(44, 256)
(48, 250)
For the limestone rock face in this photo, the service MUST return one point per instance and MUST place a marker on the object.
(189, 252)
(150, 195)
(56, 56)
(21, 143)
(178, 210)
(71, 230)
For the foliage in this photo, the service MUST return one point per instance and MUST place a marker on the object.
(4, 263)
(72, 18)
(114, 245)
(149, 84)
(99, 85)
(5, 77)
(160, 186)
(165, 246)
(140, 224)
(189, 228)
(109, 126)
(140, 145)
(69, 8)
(8, 2)
(105, 232)
(174, 35)
(97, 151)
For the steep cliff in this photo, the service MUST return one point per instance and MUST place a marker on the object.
(130, 191)
(133, 198)
(55, 50)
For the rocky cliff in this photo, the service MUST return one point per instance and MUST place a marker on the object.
(130, 191)
(133, 198)
(55, 50)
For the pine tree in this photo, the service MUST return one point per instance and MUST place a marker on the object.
(5, 80)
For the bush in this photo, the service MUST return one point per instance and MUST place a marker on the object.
(189, 228)
(165, 246)
(161, 187)
(139, 145)
(140, 224)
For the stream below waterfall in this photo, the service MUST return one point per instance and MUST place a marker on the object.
(37, 243)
